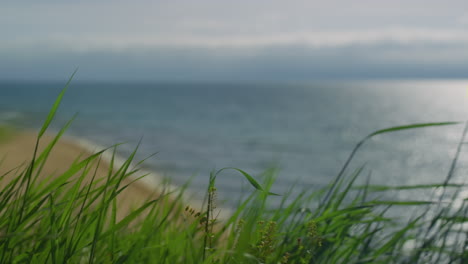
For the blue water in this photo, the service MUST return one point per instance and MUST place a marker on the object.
(307, 130)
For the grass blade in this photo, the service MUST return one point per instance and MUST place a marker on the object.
(52, 112)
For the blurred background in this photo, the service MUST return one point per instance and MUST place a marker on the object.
(250, 84)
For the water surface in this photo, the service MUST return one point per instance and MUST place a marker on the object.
(307, 130)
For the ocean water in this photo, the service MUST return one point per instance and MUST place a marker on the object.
(305, 130)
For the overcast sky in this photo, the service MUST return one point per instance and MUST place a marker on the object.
(205, 40)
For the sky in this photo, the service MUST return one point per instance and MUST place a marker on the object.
(225, 40)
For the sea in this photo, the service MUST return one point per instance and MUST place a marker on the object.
(305, 131)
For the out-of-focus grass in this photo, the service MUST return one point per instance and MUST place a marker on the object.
(64, 221)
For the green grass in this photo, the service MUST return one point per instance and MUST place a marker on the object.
(64, 221)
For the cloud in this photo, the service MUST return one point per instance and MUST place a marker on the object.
(213, 39)
(93, 25)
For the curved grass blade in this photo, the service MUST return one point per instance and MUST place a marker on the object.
(401, 203)
(383, 188)
(251, 179)
(406, 127)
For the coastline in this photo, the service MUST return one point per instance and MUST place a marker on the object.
(153, 181)
(16, 152)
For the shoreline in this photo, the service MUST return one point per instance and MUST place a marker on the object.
(18, 149)
(16, 152)
(153, 180)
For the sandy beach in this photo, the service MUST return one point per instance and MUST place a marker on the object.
(17, 150)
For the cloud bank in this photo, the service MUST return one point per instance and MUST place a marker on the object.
(226, 40)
